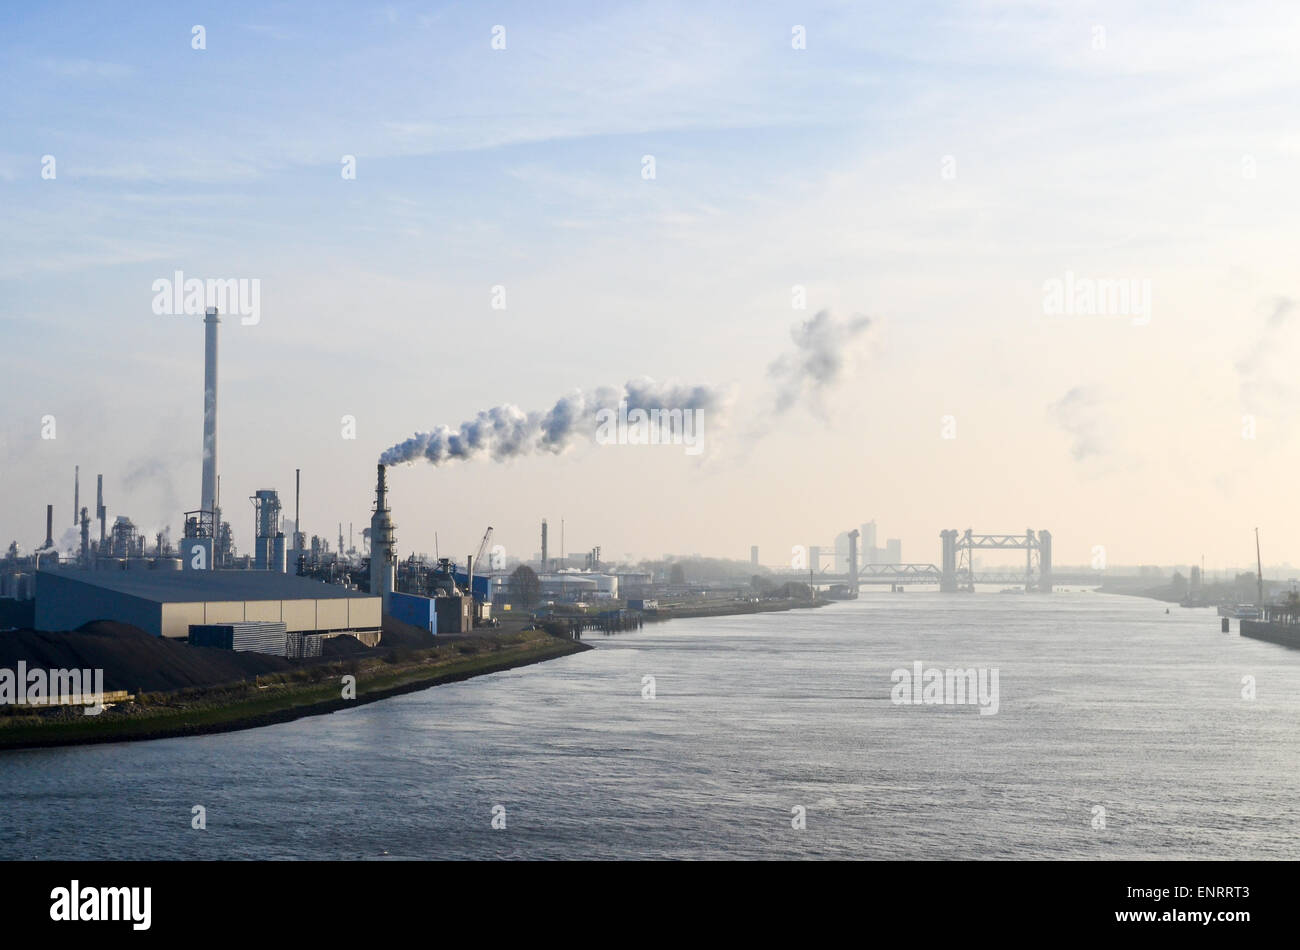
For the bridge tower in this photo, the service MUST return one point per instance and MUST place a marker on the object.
(853, 562)
(1045, 561)
(948, 567)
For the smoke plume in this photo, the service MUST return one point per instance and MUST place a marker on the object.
(1265, 372)
(819, 361)
(506, 431)
(1080, 415)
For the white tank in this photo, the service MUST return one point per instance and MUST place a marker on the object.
(167, 564)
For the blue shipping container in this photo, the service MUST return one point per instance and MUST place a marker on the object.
(415, 610)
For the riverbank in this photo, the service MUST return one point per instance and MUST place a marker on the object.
(730, 608)
(280, 696)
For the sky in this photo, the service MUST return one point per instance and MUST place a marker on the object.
(927, 175)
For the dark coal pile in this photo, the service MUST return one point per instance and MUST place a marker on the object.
(132, 659)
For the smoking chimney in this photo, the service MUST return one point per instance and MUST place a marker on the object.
(383, 554)
(49, 528)
(208, 498)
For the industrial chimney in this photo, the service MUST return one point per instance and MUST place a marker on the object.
(76, 493)
(49, 528)
(101, 513)
(298, 537)
(208, 498)
(544, 564)
(383, 553)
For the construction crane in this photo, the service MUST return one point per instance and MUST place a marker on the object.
(487, 539)
(1259, 574)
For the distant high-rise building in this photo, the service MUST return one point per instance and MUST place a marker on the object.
(894, 551)
(868, 539)
(753, 555)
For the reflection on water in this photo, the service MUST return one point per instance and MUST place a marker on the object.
(1103, 701)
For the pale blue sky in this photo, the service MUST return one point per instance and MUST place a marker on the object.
(522, 167)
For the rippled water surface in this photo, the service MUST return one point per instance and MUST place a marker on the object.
(1104, 701)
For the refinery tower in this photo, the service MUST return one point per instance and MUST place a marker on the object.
(383, 544)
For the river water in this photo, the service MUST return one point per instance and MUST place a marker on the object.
(1121, 732)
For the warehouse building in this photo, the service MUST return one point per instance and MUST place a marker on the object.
(168, 603)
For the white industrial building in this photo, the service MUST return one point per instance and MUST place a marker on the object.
(166, 603)
(573, 585)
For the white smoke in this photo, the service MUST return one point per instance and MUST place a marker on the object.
(823, 346)
(1265, 372)
(1080, 414)
(506, 431)
(70, 541)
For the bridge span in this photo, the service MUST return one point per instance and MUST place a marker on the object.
(955, 571)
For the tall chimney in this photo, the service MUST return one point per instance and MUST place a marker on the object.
(544, 565)
(76, 494)
(208, 499)
(297, 509)
(100, 511)
(49, 527)
(383, 555)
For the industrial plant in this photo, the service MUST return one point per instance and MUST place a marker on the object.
(285, 597)
(290, 593)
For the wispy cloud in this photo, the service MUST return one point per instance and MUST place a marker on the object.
(85, 69)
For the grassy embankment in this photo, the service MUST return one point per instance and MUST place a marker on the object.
(281, 696)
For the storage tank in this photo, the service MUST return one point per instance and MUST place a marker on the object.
(167, 564)
(279, 556)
